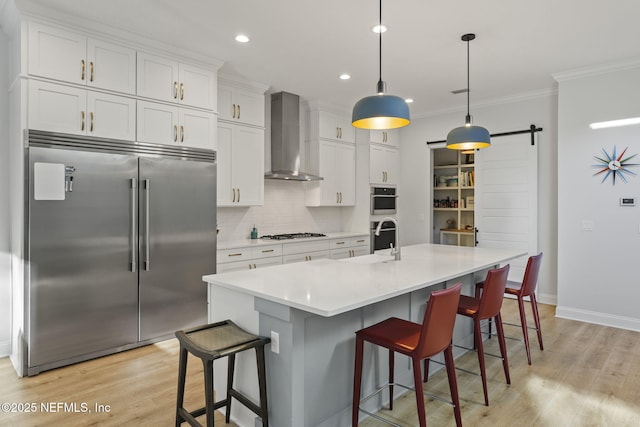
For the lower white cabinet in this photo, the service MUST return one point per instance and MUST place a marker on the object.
(248, 258)
(240, 158)
(350, 247)
(59, 108)
(167, 124)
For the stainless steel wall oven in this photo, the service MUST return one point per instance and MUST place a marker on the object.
(383, 200)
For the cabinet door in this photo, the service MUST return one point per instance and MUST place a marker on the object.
(247, 167)
(57, 108)
(111, 66)
(387, 137)
(157, 123)
(383, 167)
(327, 152)
(197, 87)
(197, 129)
(157, 78)
(328, 126)
(250, 107)
(225, 191)
(391, 165)
(345, 171)
(57, 54)
(111, 116)
(226, 103)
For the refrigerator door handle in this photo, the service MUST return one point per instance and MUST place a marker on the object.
(146, 226)
(134, 232)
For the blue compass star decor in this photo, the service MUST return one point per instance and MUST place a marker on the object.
(614, 165)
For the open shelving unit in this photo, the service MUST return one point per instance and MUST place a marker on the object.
(453, 197)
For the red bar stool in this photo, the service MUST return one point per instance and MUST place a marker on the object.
(522, 290)
(418, 341)
(485, 307)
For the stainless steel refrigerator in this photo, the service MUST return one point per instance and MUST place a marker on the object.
(118, 237)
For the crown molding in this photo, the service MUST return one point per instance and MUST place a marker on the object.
(597, 70)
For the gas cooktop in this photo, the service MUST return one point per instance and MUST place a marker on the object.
(291, 236)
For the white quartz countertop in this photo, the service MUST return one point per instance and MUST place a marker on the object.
(329, 287)
(247, 243)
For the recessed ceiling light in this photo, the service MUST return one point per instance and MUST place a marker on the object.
(345, 76)
(408, 100)
(379, 29)
(615, 123)
(241, 38)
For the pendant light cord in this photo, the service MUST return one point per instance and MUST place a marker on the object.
(468, 85)
(380, 44)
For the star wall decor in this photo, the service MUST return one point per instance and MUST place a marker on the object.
(615, 166)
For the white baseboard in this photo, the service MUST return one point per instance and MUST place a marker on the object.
(605, 319)
(551, 299)
(5, 348)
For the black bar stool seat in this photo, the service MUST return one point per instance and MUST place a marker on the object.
(211, 342)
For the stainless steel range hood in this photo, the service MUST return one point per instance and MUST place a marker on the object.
(285, 139)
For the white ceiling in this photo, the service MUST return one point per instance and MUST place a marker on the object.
(303, 46)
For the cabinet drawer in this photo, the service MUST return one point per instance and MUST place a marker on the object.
(306, 256)
(266, 251)
(232, 255)
(297, 248)
(360, 241)
(233, 266)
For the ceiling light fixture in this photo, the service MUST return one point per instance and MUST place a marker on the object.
(345, 76)
(468, 136)
(409, 100)
(380, 111)
(379, 29)
(615, 123)
(241, 38)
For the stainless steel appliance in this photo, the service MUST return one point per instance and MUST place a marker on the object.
(386, 238)
(118, 237)
(383, 200)
(288, 236)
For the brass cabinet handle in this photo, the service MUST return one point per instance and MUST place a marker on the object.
(238, 112)
(238, 195)
(83, 66)
(91, 71)
(360, 241)
(339, 243)
(234, 195)
(175, 90)
(267, 250)
(254, 266)
(337, 197)
(181, 91)
(234, 111)
(181, 133)
(81, 120)
(91, 121)
(341, 197)
(175, 133)
(235, 254)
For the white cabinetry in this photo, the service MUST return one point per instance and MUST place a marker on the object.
(383, 164)
(168, 80)
(350, 247)
(169, 124)
(333, 126)
(305, 251)
(387, 137)
(60, 108)
(240, 160)
(248, 258)
(72, 57)
(335, 162)
(240, 105)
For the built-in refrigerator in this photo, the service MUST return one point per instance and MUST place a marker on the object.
(118, 236)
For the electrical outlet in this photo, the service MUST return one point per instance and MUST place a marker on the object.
(275, 342)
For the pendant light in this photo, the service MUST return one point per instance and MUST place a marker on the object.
(380, 111)
(468, 137)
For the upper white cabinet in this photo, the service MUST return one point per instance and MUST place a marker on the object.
(168, 124)
(386, 137)
(168, 80)
(333, 126)
(72, 57)
(335, 162)
(240, 159)
(383, 164)
(240, 105)
(60, 108)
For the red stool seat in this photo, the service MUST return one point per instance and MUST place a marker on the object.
(418, 341)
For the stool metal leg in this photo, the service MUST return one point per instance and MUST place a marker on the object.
(182, 374)
(262, 383)
(230, 370)
(391, 377)
(357, 378)
(208, 391)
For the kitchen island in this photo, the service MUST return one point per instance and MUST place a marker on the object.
(316, 307)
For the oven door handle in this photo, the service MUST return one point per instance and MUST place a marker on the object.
(384, 195)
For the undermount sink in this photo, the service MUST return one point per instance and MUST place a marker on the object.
(370, 259)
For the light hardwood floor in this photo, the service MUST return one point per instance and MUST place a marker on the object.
(588, 375)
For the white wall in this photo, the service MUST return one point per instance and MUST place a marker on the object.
(5, 259)
(415, 201)
(598, 270)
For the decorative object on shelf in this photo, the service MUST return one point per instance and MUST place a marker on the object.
(451, 223)
(468, 136)
(471, 200)
(380, 111)
(614, 165)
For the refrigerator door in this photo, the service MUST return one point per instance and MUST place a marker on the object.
(177, 243)
(83, 295)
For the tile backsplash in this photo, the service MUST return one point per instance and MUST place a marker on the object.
(284, 211)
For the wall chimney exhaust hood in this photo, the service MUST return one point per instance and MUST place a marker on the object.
(285, 139)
